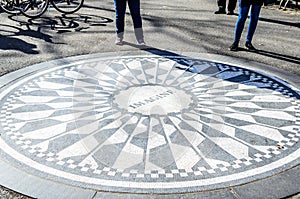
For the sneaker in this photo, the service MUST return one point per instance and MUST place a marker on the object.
(141, 42)
(250, 47)
(230, 12)
(220, 11)
(234, 46)
(119, 41)
(139, 35)
(119, 38)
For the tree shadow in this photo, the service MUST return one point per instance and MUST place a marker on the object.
(219, 70)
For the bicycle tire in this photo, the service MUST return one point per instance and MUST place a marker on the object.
(67, 6)
(34, 8)
(8, 6)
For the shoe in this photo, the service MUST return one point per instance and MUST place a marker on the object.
(119, 38)
(234, 46)
(141, 42)
(139, 35)
(230, 12)
(119, 41)
(220, 11)
(250, 47)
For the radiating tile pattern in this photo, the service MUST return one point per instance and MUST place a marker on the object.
(150, 119)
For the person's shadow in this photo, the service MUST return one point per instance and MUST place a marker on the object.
(295, 60)
(12, 43)
(10, 39)
(287, 58)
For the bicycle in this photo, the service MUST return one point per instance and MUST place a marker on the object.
(35, 8)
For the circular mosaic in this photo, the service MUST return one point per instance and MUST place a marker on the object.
(149, 123)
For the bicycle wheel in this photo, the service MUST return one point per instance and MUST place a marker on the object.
(67, 6)
(8, 6)
(34, 8)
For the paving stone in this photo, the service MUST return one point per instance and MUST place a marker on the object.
(279, 186)
(36, 187)
(203, 195)
(146, 123)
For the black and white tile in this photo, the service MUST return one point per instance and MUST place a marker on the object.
(150, 123)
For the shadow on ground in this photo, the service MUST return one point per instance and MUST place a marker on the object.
(198, 66)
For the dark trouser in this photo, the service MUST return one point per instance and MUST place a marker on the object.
(134, 7)
(243, 14)
(231, 4)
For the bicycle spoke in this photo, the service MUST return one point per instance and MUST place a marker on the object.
(34, 8)
(9, 6)
(67, 6)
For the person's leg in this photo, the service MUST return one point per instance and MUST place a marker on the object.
(254, 16)
(222, 6)
(240, 23)
(120, 8)
(231, 6)
(134, 6)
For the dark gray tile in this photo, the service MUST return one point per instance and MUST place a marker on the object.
(224, 194)
(278, 186)
(37, 187)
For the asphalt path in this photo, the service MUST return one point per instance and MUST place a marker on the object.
(168, 25)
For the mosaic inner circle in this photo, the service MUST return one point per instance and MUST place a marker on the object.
(153, 100)
(149, 123)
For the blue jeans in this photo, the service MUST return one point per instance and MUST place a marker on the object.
(134, 7)
(243, 14)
